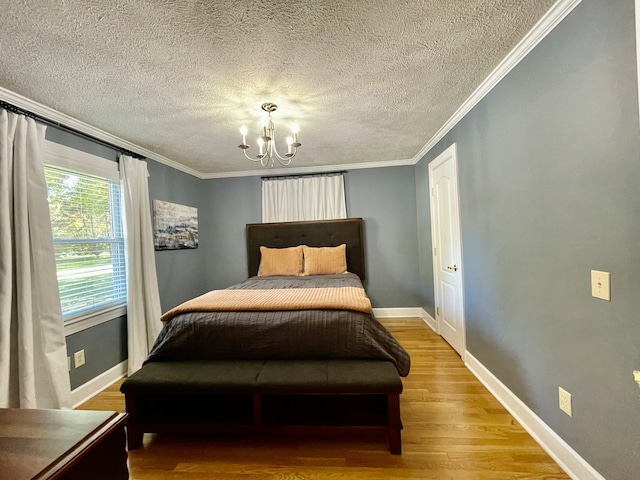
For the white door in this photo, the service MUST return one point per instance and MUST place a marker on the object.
(447, 248)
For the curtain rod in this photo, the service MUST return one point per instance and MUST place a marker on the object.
(21, 111)
(300, 175)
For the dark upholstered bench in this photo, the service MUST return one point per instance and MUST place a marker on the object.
(264, 394)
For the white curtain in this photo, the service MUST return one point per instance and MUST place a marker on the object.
(143, 298)
(33, 354)
(290, 199)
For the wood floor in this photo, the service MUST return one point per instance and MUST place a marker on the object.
(453, 429)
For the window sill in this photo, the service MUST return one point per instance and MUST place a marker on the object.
(92, 319)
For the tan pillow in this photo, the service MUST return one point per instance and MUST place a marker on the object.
(280, 261)
(325, 260)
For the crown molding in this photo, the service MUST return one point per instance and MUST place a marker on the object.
(68, 121)
(540, 30)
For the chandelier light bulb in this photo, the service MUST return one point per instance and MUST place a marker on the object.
(243, 131)
(295, 128)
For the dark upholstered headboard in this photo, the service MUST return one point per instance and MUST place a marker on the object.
(323, 233)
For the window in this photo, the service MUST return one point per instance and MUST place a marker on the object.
(305, 197)
(86, 216)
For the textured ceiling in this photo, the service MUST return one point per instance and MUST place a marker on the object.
(367, 81)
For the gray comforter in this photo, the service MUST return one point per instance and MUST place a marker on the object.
(296, 334)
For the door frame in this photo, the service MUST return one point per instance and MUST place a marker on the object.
(451, 153)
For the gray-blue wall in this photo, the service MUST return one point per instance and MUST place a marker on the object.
(231, 204)
(386, 199)
(104, 345)
(182, 274)
(549, 166)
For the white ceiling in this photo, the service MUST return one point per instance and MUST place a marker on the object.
(369, 82)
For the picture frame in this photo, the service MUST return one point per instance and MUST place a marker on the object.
(175, 226)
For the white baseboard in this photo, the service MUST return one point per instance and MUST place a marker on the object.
(397, 312)
(407, 312)
(569, 460)
(94, 386)
(429, 320)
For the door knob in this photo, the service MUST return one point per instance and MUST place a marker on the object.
(454, 268)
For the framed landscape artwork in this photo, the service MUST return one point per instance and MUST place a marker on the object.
(174, 226)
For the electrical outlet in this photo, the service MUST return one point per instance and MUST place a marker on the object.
(78, 358)
(636, 377)
(564, 398)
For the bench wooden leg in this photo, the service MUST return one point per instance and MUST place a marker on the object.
(257, 408)
(134, 434)
(395, 424)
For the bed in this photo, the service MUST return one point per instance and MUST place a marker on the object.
(285, 348)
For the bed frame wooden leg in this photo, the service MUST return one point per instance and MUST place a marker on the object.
(134, 437)
(395, 424)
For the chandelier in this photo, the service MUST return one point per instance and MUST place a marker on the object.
(268, 153)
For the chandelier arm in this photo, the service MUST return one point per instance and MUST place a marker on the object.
(271, 153)
(249, 158)
(284, 161)
(264, 159)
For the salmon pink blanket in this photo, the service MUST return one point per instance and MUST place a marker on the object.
(342, 298)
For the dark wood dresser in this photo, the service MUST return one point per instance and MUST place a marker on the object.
(62, 444)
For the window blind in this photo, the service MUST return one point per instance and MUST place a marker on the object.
(86, 217)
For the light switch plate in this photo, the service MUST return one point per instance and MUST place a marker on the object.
(601, 285)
